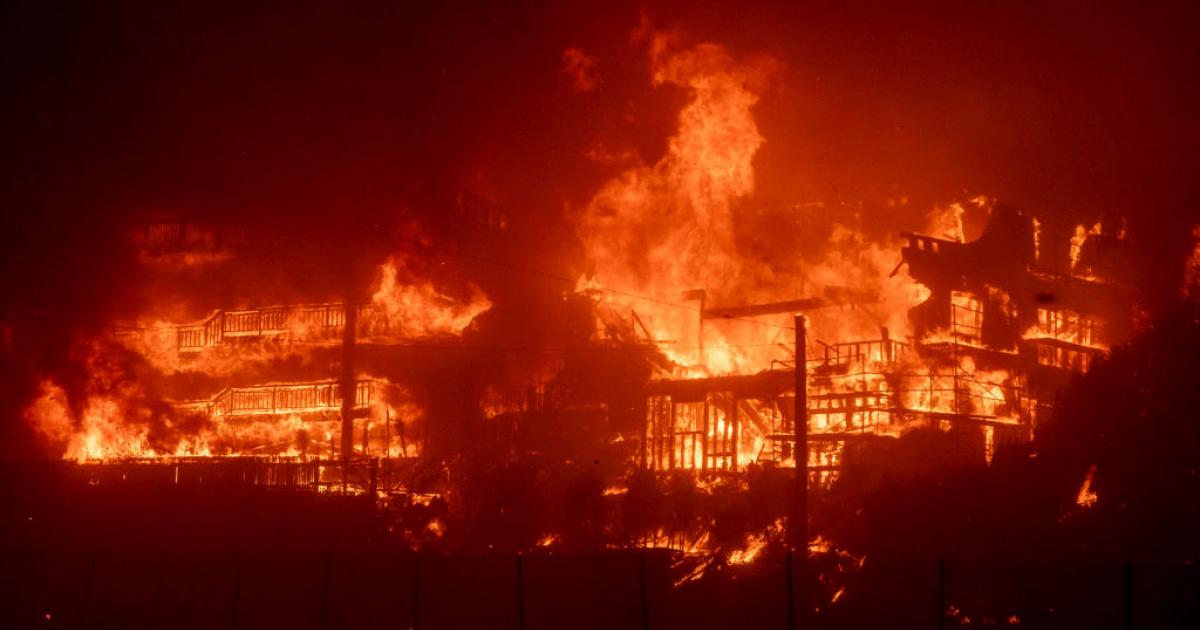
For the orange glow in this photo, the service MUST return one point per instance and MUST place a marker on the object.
(409, 307)
(115, 419)
(1087, 497)
(656, 233)
(1066, 326)
(284, 420)
(755, 544)
(1078, 239)
(100, 432)
(657, 230)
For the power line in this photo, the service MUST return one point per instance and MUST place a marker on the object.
(514, 267)
(553, 276)
(366, 341)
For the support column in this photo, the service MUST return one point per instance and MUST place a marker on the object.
(349, 388)
(734, 430)
(671, 440)
(798, 520)
(647, 413)
(798, 523)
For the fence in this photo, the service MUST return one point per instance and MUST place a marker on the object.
(619, 589)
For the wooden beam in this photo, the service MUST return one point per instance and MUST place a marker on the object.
(832, 296)
(736, 312)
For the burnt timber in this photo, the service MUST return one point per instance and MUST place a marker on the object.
(1000, 301)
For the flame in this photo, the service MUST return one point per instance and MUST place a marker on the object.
(747, 554)
(755, 544)
(1037, 240)
(100, 433)
(229, 340)
(867, 268)
(168, 349)
(1078, 238)
(1087, 497)
(110, 419)
(114, 418)
(118, 421)
(1066, 326)
(417, 309)
(947, 222)
(656, 230)
(842, 564)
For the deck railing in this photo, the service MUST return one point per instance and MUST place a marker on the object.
(284, 398)
(260, 322)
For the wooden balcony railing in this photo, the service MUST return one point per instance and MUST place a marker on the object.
(248, 323)
(284, 398)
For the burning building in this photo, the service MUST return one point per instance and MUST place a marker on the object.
(974, 338)
(704, 291)
(995, 327)
(994, 340)
(260, 384)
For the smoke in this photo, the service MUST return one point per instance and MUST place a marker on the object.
(580, 68)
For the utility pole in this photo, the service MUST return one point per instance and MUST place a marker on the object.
(798, 520)
(349, 388)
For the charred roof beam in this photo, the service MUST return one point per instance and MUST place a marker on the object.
(833, 296)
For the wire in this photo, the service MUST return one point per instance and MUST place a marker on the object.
(628, 347)
(506, 265)
(553, 276)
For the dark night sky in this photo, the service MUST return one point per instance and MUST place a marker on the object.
(312, 111)
(322, 119)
